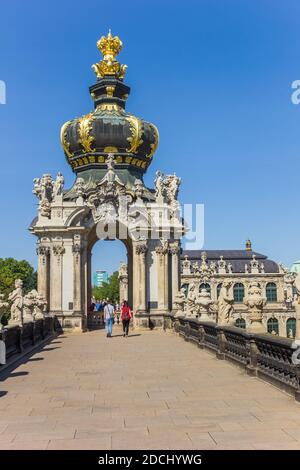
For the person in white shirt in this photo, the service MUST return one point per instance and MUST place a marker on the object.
(109, 312)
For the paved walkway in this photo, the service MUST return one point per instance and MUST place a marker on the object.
(149, 391)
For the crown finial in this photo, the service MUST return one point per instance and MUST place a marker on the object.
(109, 47)
(248, 245)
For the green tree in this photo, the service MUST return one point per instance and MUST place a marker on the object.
(109, 289)
(12, 269)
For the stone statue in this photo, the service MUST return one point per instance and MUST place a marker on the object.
(3, 308)
(225, 304)
(58, 185)
(254, 265)
(16, 309)
(40, 306)
(229, 267)
(204, 305)
(190, 301)
(138, 188)
(255, 302)
(179, 302)
(123, 269)
(221, 265)
(213, 267)
(158, 182)
(45, 208)
(172, 183)
(246, 269)
(29, 302)
(195, 267)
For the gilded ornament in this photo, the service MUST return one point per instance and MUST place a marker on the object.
(110, 91)
(85, 126)
(154, 145)
(135, 139)
(63, 137)
(109, 47)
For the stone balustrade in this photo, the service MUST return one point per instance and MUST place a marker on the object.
(261, 355)
(21, 339)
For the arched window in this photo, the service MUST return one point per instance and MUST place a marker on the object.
(240, 323)
(273, 327)
(219, 287)
(204, 285)
(186, 288)
(291, 328)
(238, 292)
(271, 292)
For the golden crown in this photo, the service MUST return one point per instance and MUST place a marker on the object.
(109, 47)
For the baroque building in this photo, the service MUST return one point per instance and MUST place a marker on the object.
(212, 268)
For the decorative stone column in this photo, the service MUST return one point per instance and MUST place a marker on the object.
(162, 275)
(58, 251)
(141, 250)
(174, 250)
(77, 278)
(43, 270)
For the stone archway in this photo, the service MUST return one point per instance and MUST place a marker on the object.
(109, 150)
(92, 240)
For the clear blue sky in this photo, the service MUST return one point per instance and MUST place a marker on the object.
(214, 76)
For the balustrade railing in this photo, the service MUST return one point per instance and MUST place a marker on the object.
(18, 339)
(261, 355)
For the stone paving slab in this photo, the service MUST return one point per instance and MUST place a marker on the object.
(148, 391)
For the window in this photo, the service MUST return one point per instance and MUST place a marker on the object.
(219, 287)
(238, 292)
(271, 292)
(273, 327)
(291, 328)
(240, 323)
(206, 286)
(186, 288)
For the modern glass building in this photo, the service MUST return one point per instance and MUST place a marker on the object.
(99, 277)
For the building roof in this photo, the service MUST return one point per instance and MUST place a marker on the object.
(238, 259)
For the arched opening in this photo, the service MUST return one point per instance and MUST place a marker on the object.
(206, 286)
(238, 292)
(106, 256)
(219, 287)
(273, 326)
(291, 328)
(271, 292)
(240, 323)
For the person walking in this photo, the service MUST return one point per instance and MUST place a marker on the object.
(109, 318)
(125, 316)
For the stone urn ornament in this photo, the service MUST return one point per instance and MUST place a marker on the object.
(255, 303)
(204, 305)
(179, 303)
